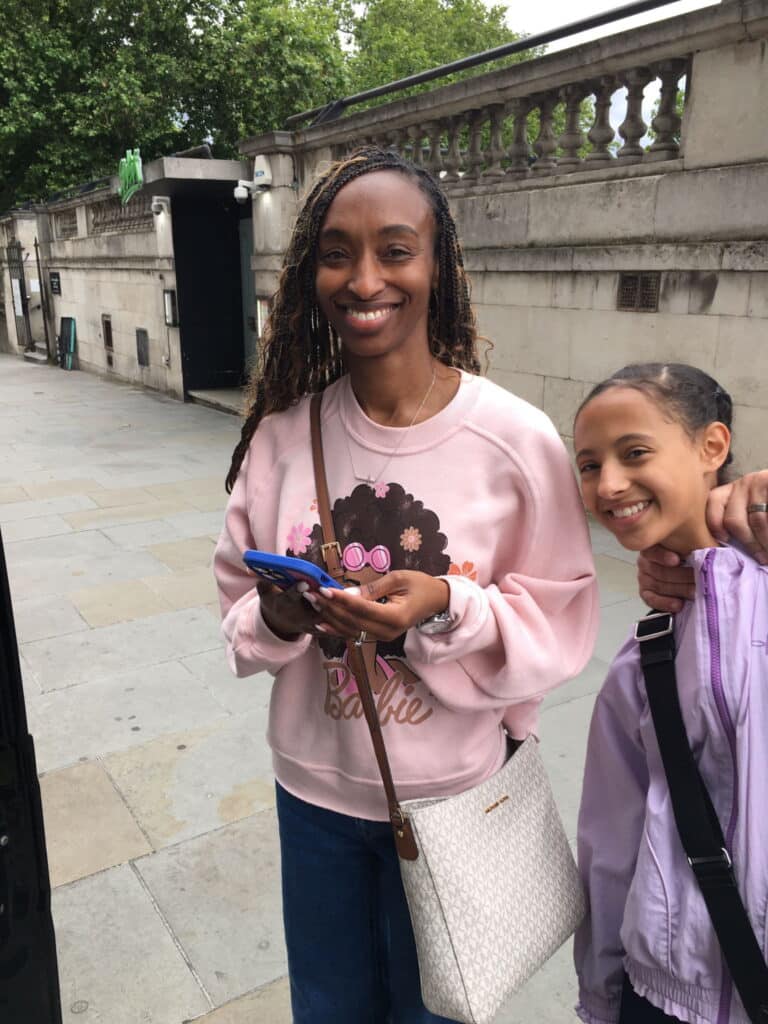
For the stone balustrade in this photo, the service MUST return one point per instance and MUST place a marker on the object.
(548, 116)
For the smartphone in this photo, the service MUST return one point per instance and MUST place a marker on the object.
(287, 572)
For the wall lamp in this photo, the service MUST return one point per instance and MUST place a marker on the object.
(160, 204)
(171, 308)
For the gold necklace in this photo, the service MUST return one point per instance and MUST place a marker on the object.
(373, 480)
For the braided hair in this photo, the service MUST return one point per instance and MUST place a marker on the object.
(301, 352)
(688, 394)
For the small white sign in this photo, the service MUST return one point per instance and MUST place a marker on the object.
(18, 309)
(34, 284)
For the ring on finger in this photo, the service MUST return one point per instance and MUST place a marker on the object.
(361, 638)
(758, 506)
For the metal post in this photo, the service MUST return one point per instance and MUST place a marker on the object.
(43, 301)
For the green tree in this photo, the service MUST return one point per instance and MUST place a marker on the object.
(394, 39)
(81, 82)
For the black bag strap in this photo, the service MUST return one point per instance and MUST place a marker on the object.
(697, 822)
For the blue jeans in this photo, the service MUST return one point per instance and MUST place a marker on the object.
(351, 954)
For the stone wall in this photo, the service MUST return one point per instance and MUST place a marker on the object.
(546, 243)
(116, 265)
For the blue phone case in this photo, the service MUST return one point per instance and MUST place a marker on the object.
(287, 572)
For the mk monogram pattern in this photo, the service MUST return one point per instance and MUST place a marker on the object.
(492, 895)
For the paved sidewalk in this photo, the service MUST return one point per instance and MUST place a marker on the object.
(155, 773)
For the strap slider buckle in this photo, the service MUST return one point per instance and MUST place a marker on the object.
(722, 859)
(653, 626)
(330, 544)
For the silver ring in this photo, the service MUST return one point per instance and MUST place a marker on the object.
(759, 506)
(360, 640)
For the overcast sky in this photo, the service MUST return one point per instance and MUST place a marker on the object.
(538, 15)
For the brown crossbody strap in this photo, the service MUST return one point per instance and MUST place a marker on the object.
(401, 826)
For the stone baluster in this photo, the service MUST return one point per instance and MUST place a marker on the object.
(474, 154)
(496, 149)
(572, 138)
(416, 134)
(601, 134)
(452, 161)
(667, 122)
(519, 150)
(633, 127)
(435, 158)
(546, 142)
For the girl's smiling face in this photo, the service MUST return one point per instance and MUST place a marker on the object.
(642, 475)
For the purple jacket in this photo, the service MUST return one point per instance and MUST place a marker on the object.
(646, 913)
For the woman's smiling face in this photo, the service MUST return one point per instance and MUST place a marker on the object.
(642, 475)
(376, 264)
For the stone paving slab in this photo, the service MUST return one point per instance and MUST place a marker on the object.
(38, 618)
(121, 496)
(240, 696)
(268, 1005)
(39, 577)
(185, 784)
(118, 963)
(58, 488)
(111, 603)
(119, 516)
(69, 503)
(40, 526)
(181, 555)
(220, 893)
(73, 799)
(69, 660)
(96, 718)
(184, 589)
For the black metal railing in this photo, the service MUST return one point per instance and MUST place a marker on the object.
(333, 110)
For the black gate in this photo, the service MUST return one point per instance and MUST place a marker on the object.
(19, 296)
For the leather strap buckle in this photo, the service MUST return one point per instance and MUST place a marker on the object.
(330, 544)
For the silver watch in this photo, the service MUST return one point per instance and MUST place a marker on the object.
(441, 622)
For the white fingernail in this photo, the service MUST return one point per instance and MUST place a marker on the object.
(355, 591)
(310, 598)
(302, 586)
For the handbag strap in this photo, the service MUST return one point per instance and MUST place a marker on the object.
(697, 823)
(405, 842)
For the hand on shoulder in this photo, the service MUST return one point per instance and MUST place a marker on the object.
(664, 584)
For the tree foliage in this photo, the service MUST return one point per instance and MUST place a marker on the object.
(83, 80)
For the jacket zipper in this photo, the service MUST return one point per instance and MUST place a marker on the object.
(715, 664)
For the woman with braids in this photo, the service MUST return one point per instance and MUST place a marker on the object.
(454, 501)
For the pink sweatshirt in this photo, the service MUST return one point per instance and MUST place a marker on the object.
(483, 495)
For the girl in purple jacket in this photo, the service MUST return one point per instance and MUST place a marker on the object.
(651, 442)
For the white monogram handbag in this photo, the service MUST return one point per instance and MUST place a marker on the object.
(491, 883)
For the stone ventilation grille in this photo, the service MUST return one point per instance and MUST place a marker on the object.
(111, 215)
(66, 224)
(638, 292)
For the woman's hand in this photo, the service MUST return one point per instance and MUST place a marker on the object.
(286, 612)
(410, 596)
(727, 514)
(664, 584)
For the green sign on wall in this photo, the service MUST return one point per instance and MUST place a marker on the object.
(130, 174)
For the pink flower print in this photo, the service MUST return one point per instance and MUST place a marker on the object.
(465, 569)
(381, 490)
(298, 538)
(410, 539)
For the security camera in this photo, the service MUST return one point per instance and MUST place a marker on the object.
(159, 206)
(242, 191)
